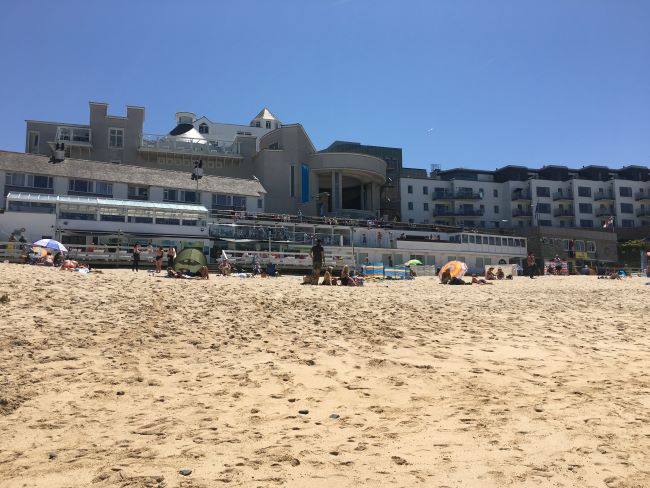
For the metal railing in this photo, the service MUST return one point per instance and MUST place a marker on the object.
(642, 196)
(521, 195)
(458, 195)
(563, 212)
(188, 145)
(558, 195)
(603, 212)
(518, 212)
(603, 196)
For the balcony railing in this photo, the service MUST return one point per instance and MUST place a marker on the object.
(458, 213)
(604, 212)
(521, 195)
(563, 212)
(188, 145)
(642, 196)
(643, 212)
(74, 135)
(558, 195)
(459, 195)
(603, 196)
(519, 212)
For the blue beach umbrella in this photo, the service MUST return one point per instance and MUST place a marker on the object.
(50, 244)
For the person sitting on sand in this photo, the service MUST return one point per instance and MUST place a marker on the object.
(500, 274)
(615, 276)
(327, 277)
(445, 277)
(479, 281)
(490, 274)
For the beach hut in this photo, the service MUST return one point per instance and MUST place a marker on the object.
(190, 259)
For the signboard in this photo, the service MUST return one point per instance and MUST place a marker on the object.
(581, 255)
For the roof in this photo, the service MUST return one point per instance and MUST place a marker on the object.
(266, 114)
(103, 202)
(123, 173)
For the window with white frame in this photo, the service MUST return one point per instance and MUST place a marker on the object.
(268, 124)
(204, 129)
(182, 196)
(115, 138)
(591, 247)
(28, 181)
(580, 246)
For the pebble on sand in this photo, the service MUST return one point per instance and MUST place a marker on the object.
(120, 393)
(303, 412)
(52, 455)
(185, 472)
(334, 416)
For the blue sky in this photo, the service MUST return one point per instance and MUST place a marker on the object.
(460, 83)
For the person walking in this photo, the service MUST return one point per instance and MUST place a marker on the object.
(530, 262)
(158, 259)
(317, 253)
(136, 258)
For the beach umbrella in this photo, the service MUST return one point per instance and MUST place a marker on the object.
(50, 244)
(414, 262)
(40, 251)
(456, 268)
(190, 259)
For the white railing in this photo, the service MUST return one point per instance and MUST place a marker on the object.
(188, 145)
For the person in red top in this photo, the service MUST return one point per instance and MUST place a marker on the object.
(530, 262)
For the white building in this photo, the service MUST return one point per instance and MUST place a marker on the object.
(519, 197)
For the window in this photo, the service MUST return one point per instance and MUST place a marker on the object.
(543, 191)
(495, 192)
(627, 223)
(81, 186)
(292, 181)
(136, 219)
(260, 203)
(239, 202)
(33, 142)
(425, 190)
(111, 218)
(586, 223)
(168, 221)
(545, 223)
(580, 246)
(544, 208)
(472, 239)
(104, 188)
(496, 209)
(585, 208)
(138, 192)
(584, 191)
(221, 200)
(409, 189)
(182, 196)
(257, 123)
(627, 208)
(425, 206)
(410, 205)
(77, 216)
(116, 138)
(625, 191)
(591, 247)
(268, 124)
(28, 181)
(203, 128)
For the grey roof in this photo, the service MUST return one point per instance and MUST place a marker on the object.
(122, 173)
(103, 202)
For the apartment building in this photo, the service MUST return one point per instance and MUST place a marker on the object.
(521, 198)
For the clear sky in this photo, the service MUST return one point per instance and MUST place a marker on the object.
(478, 84)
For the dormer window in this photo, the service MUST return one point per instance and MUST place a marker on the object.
(268, 124)
(204, 129)
(257, 124)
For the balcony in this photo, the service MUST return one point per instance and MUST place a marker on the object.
(643, 212)
(459, 195)
(521, 196)
(458, 213)
(74, 136)
(642, 196)
(604, 197)
(521, 213)
(605, 212)
(187, 145)
(559, 196)
(563, 213)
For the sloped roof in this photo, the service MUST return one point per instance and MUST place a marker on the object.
(129, 174)
(265, 114)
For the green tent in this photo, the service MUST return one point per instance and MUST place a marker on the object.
(190, 259)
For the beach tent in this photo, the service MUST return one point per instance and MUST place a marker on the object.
(190, 259)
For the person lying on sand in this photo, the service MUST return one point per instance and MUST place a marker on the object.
(479, 281)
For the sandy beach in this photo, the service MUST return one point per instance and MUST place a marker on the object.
(122, 380)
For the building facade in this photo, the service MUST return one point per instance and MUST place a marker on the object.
(593, 197)
(296, 177)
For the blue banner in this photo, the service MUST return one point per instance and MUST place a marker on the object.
(304, 182)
